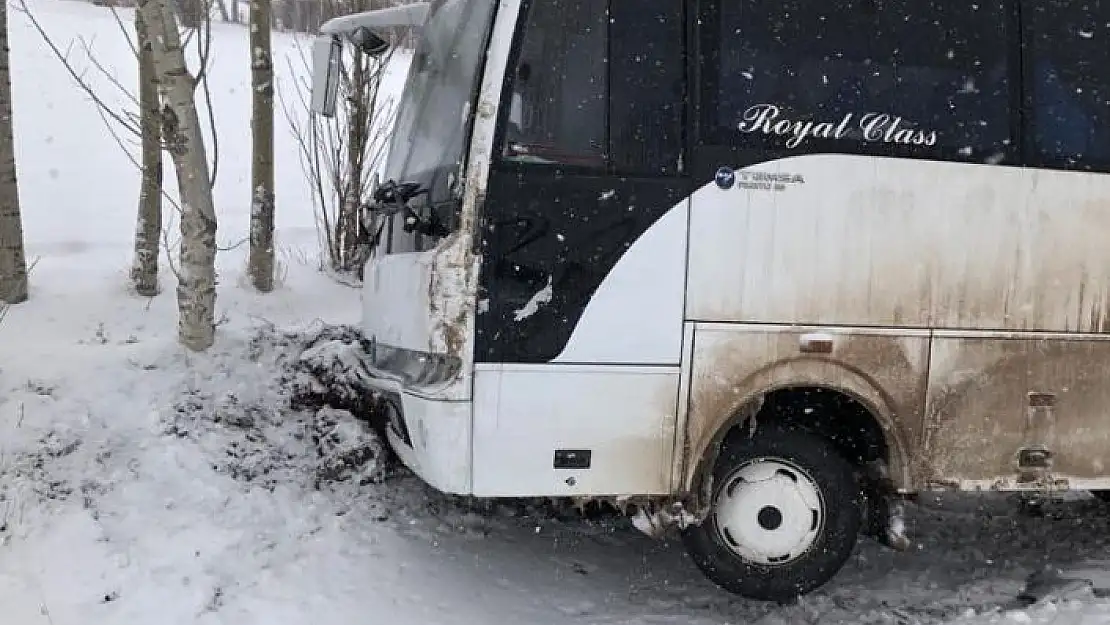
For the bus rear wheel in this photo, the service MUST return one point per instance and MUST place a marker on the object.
(784, 516)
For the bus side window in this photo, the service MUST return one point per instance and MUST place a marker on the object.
(908, 78)
(647, 86)
(558, 102)
(807, 58)
(1069, 70)
(947, 67)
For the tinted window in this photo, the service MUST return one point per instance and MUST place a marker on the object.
(574, 55)
(1069, 71)
(648, 85)
(558, 105)
(907, 77)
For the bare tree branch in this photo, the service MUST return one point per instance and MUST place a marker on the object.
(340, 155)
(104, 71)
(169, 247)
(131, 157)
(123, 29)
(22, 8)
(126, 114)
(126, 119)
(207, 90)
(204, 49)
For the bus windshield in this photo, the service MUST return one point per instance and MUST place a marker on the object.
(429, 133)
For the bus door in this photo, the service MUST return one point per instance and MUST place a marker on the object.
(579, 324)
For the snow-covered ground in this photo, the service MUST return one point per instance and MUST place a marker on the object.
(140, 484)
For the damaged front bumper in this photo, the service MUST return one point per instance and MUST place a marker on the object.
(428, 429)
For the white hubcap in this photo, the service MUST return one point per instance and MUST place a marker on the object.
(769, 512)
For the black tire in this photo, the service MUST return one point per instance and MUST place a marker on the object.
(828, 542)
(1102, 495)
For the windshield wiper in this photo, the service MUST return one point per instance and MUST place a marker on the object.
(393, 197)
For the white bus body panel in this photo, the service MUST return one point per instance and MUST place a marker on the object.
(1007, 269)
(625, 416)
(905, 243)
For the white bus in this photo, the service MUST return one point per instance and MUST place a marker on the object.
(762, 269)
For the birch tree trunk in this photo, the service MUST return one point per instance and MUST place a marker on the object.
(358, 127)
(181, 133)
(144, 269)
(13, 264)
(261, 262)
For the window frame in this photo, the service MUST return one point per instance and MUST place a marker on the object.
(708, 132)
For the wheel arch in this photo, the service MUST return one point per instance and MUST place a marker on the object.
(754, 394)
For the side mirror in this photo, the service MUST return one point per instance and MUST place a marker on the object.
(369, 41)
(326, 57)
(393, 193)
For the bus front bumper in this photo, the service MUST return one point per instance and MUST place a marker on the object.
(432, 437)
